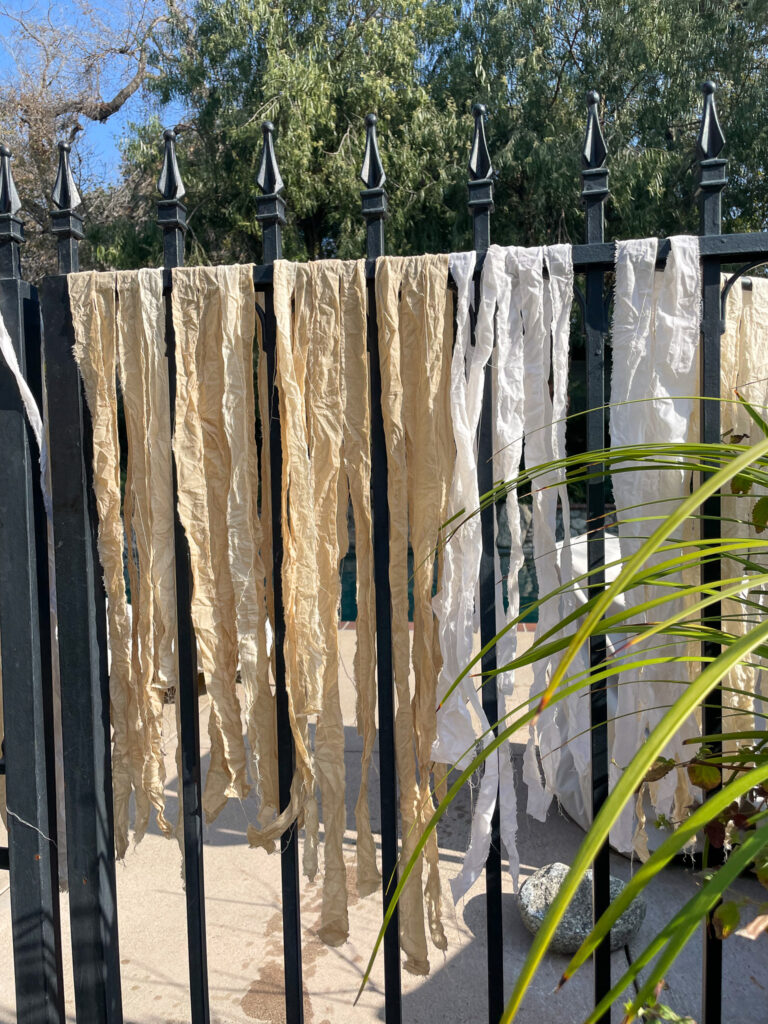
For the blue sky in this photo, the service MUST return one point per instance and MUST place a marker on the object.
(101, 140)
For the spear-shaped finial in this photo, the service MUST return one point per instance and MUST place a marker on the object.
(270, 207)
(66, 223)
(268, 178)
(374, 196)
(65, 195)
(169, 184)
(712, 179)
(480, 183)
(480, 167)
(9, 197)
(594, 173)
(11, 227)
(372, 174)
(594, 152)
(711, 139)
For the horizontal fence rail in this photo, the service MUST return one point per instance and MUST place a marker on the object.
(25, 625)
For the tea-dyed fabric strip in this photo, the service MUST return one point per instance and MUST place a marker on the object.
(100, 334)
(208, 307)
(415, 327)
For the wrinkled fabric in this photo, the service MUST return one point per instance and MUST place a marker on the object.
(356, 450)
(455, 603)
(655, 372)
(148, 513)
(743, 368)
(322, 381)
(415, 329)
(206, 310)
(93, 301)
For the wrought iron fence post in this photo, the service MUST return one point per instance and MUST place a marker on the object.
(480, 189)
(26, 652)
(172, 218)
(374, 207)
(712, 181)
(271, 215)
(594, 177)
(82, 642)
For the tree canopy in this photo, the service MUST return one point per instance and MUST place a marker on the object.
(316, 68)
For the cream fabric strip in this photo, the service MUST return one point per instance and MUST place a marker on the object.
(545, 312)
(203, 316)
(655, 368)
(94, 316)
(415, 328)
(743, 368)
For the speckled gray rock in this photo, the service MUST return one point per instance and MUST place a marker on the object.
(538, 892)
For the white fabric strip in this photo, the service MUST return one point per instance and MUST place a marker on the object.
(655, 367)
(523, 311)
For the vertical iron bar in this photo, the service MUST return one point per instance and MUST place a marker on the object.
(481, 207)
(83, 678)
(374, 207)
(26, 653)
(594, 194)
(711, 184)
(172, 218)
(271, 215)
(95, 947)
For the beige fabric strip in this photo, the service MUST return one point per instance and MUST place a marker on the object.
(414, 320)
(93, 304)
(356, 482)
(143, 371)
(202, 318)
(245, 535)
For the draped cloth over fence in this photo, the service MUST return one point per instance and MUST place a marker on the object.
(528, 315)
(322, 379)
(654, 378)
(415, 329)
(118, 320)
(743, 371)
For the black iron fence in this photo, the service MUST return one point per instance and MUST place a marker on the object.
(24, 588)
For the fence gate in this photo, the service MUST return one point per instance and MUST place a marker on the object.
(25, 627)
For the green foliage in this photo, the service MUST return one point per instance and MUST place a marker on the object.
(315, 69)
(735, 777)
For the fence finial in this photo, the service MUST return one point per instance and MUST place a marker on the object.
(594, 152)
(11, 227)
(711, 140)
(65, 195)
(268, 178)
(372, 174)
(171, 211)
(9, 198)
(374, 196)
(169, 184)
(480, 167)
(480, 185)
(270, 207)
(66, 222)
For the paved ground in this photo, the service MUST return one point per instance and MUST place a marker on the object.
(245, 933)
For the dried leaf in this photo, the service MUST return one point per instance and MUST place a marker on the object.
(755, 928)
